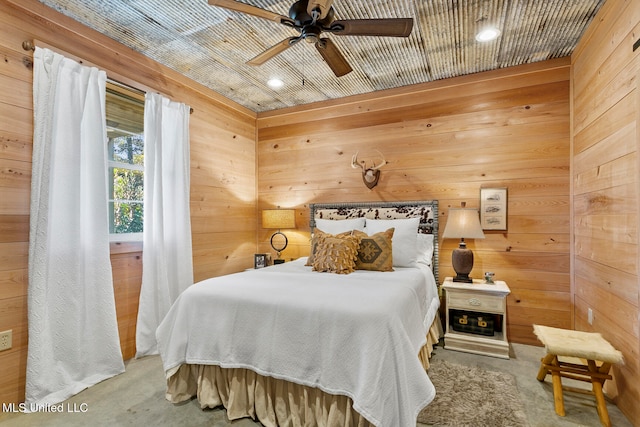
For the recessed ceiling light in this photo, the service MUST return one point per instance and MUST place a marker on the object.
(488, 34)
(275, 83)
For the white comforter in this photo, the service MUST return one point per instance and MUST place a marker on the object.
(356, 335)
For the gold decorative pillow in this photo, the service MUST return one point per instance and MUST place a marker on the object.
(375, 252)
(316, 237)
(336, 254)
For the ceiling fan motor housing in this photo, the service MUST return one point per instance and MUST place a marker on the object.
(311, 33)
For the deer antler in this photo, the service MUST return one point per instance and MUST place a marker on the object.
(355, 164)
(384, 162)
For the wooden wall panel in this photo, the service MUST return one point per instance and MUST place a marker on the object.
(444, 140)
(127, 276)
(223, 176)
(606, 185)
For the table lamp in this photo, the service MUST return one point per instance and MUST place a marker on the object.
(279, 219)
(463, 223)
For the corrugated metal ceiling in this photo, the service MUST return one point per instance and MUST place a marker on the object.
(211, 44)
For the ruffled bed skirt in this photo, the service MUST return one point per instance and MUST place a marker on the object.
(273, 402)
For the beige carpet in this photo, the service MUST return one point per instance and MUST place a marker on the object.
(472, 396)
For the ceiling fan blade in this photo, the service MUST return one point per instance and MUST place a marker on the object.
(251, 10)
(390, 27)
(273, 51)
(333, 57)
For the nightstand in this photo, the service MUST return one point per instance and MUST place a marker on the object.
(477, 297)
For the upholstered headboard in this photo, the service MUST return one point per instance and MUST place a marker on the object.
(426, 210)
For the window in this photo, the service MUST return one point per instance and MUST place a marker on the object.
(125, 126)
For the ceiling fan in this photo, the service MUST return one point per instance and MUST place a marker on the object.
(313, 17)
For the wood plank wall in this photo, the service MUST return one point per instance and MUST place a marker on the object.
(606, 181)
(222, 173)
(444, 140)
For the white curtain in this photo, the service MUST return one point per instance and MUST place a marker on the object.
(167, 266)
(73, 332)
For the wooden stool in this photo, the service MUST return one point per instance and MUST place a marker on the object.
(583, 345)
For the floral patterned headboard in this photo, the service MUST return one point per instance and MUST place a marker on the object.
(426, 210)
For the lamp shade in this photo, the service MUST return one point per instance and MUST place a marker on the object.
(463, 223)
(279, 218)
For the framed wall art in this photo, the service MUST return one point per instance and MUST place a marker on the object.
(493, 208)
(260, 260)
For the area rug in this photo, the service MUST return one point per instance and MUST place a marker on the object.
(472, 396)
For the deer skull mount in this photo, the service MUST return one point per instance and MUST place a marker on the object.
(371, 175)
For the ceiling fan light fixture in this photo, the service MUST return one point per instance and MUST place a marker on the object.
(488, 34)
(275, 83)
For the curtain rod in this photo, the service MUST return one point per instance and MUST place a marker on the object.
(30, 45)
(126, 86)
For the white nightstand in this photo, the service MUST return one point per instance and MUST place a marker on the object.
(479, 297)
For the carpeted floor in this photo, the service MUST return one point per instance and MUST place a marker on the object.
(137, 398)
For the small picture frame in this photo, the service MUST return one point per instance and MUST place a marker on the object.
(493, 208)
(259, 260)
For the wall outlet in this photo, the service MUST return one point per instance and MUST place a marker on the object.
(5, 340)
(590, 316)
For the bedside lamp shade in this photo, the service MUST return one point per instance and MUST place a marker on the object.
(462, 223)
(279, 219)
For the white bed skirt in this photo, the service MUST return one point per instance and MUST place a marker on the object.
(271, 401)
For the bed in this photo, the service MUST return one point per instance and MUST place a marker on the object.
(290, 346)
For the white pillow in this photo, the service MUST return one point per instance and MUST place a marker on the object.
(405, 238)
(425, 249)
(340, 225)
